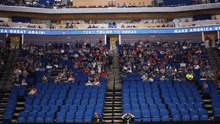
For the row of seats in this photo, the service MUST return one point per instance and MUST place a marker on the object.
(64, 108)
(134, 107)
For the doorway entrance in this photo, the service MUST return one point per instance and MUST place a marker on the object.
(212, 36)
(15, 41)
(111, 40)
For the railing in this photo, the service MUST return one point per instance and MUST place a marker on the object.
(198, 23)
(110, 10)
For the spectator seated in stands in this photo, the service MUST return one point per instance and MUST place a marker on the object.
(44, 79)
(205, 85)
(143, 5)
(89, 83)
(71, 78)
(17, 82)
(210, 74)
(104, 74)
(144, 77)
(124, 5)
(134, 5)
(128, 117)
(97, 119)
(24, 83)
(190, 77)
(96, 82)
(33, 91)
(203, 74)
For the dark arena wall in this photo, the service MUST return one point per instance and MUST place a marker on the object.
(42, 40)
(194, 37)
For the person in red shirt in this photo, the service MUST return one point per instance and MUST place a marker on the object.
(159, 62)
(80, 58)
(166, 59)
(87, 71)
(151, 60)
(104, 74)
(33, 91)
(71, 79)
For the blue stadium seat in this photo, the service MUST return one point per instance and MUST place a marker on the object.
(79, 115)
(45, 108)
(41, 115)
(54, 108)
(36, 108)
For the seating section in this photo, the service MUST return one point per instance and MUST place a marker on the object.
(16, 93)
(163, 99)
(66, 102)
(60, 101)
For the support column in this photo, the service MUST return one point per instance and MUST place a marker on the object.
(22, 39)
(203, 39)
(105, 37)
(119, 39)
(218, 34)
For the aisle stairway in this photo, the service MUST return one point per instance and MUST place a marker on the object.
(113, 101)
(214, 58)
(6, 81)
(207, 103)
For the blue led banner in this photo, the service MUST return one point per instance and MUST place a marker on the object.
(107, 31)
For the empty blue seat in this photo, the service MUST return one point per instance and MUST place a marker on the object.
(69, 102)
(50, 115)
(70, 115)
(59, 102)
(28, 108)
(172, 106)
(89, 114)
(203, 112)
(79, 115)
(43, 102)
(184, 112)
(23, 114)
(64, 108)
(198, 106)
(32, 114)
(21, 120)
(52, 102)
(78, 120)
(72, 108)
(49, 120)
(36, 102)
(181, 106)
(161, 106)
(81, 108)
(204, 117)
(193, 113)
(30, 120)
(189, 107)
(175, 113)
(36, 108)
(90, 108)
(146, 119)
(61, 115)
(41, 115)
(54, 108)
(164, 114)
(155, 113)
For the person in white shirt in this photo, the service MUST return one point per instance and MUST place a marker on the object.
(89, 83)
(144, 77)
(182, 64)
(49, 66)
(196, 66)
